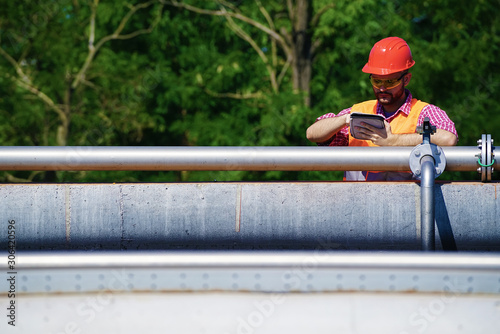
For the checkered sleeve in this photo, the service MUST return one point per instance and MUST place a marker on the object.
(437, 117)
(341, 138)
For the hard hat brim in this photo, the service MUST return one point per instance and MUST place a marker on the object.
(386, 71)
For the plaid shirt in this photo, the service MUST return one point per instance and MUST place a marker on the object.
(437, 117)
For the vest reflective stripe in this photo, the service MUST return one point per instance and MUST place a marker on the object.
(400, 124)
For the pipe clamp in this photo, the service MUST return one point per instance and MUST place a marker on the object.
(486, 159)
(424, 150)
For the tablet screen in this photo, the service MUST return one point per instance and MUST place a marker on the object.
(372, 119)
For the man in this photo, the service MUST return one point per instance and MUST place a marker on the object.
(388, 65)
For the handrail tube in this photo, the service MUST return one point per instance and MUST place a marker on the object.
(269, 259)
(427, 205)
(256, 158)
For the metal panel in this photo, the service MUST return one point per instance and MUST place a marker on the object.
(256, 292)
(305, 271)
(224, 313)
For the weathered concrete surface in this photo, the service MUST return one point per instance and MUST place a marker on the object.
(303, 215)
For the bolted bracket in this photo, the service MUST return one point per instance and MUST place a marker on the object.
(427, 149)
(422, 150)
(486, 158)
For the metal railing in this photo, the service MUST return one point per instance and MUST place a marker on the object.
(264, 259)
(205, 158)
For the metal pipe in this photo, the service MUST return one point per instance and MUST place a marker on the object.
(427, 203)
(258, 158)
(265, 259)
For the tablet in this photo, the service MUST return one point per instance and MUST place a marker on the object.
(372, 119)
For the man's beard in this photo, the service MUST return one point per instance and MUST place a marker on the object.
(386, 98)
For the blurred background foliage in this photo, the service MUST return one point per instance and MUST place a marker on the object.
(227, 73)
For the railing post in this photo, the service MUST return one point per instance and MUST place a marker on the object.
(427, 162)
(427, 203)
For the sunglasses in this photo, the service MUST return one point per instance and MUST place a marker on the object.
(387, 83)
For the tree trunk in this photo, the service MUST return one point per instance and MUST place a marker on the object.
(302, 56)
(63, 128)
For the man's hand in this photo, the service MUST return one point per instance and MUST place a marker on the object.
(380, 137)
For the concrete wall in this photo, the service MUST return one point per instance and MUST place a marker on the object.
(303, 215)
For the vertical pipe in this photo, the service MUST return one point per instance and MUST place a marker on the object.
(427, 203)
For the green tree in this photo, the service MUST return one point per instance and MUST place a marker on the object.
(287, 27)
(63, 76)
(215, 72)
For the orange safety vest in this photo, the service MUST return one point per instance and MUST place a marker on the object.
(401, 123)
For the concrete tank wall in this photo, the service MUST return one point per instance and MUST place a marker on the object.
(226, 215)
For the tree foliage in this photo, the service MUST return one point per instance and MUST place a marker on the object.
(227, 72)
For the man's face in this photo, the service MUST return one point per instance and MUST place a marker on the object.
(389, 89)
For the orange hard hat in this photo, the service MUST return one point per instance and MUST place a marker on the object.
(389, 55)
